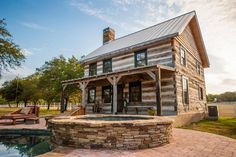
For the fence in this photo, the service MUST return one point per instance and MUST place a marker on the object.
(53, 106)
(225, 109)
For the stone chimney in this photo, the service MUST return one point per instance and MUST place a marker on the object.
(108, 35)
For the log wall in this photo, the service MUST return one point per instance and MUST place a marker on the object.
(161, 54)
(186, 40)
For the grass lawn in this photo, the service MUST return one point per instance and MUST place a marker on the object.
(224, 126)
(43, 112)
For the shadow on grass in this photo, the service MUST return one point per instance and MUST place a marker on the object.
(224, 126)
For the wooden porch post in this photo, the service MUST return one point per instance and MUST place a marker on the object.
(63, 87)
(83, 86)
(158, 92)
(114, 80)
(114, 97)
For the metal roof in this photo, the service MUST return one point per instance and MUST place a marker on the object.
(163, 30)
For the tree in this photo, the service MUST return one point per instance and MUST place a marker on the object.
(11, 90)
(71, 71)
(29, 90)
(11, 55)
(55, 71)
(227, 96)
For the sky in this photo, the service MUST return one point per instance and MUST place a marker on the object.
(48, 28)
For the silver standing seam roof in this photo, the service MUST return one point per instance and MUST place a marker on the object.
(160, 31)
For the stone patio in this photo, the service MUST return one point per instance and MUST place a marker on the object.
(185, 143)
(6, 124)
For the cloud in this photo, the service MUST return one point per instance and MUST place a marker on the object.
(90, 10)
(22, 71)
(27, 52)
(35, 26)
(108, 15)
(230, 82)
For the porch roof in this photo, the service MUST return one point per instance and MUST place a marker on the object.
(126, 72)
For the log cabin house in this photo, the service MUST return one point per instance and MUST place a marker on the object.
(160, 67)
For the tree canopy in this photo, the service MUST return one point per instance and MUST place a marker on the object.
(11, 90)
(52, 73)
(11, 55)
(223, 97)
(45, 83)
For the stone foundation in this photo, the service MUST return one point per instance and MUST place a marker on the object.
(94, 134)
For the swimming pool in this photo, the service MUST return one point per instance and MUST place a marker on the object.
(24, 146)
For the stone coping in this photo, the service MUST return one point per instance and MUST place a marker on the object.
(70, 120)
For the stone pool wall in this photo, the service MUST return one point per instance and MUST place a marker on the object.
(121, 135)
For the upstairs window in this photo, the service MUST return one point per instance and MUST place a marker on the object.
(182, 56)
(107, 66)
(93, 69)
(198, 67)
(200, 93)
(106, 94)
(91, 95)
(185, 90)
(135, 92)
(140, 58)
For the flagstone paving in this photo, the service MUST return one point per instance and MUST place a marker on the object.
(185, 143)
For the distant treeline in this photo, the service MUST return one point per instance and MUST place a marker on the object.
(224, 97)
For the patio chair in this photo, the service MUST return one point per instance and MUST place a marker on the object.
(22, 114)
(79, 110)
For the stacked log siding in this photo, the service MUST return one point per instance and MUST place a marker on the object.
(186, 40)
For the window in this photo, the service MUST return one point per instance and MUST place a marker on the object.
(185, 91)
(141, 58)
(198, 67)
(106, 94)
(91, 95)
(93, 69)
(135, 92)
(200, 93)
(182, 56)
(107, 66)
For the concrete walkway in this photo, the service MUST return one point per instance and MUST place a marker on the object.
(185, 143)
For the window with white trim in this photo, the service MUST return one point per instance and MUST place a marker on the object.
(185, 90)
(182, 55)
(198, 67)
(91, 95)
(200, 93)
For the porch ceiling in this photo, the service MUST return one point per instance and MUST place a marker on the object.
(132, 71)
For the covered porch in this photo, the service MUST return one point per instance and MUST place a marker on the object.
(131, 91)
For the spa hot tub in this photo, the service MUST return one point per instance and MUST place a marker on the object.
(111, 131)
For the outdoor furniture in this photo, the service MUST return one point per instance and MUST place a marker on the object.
(22, 114)
(32, 120)
(138, 108)
(97, 107)
(80, 110)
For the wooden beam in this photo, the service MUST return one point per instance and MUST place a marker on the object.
(151, 74)
(115, 98)
(83, 86)
(114, 80)
(63, 87)
(158, 92)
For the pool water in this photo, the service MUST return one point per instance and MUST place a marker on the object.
(24, 146)
(116, 118)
